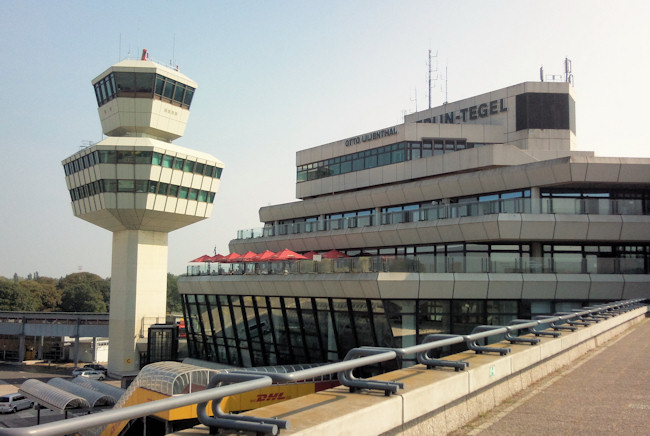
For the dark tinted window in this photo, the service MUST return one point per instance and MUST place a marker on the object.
(545, 111)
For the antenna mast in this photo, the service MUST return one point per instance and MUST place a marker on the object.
(446, 88)
(431, 71)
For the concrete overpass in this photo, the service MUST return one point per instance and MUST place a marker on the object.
(51, 324)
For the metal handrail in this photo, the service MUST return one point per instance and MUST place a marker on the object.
(246, 380)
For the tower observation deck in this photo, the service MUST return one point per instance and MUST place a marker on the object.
(140, 186)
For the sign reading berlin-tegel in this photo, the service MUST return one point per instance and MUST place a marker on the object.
(371, 136)
(472, 113)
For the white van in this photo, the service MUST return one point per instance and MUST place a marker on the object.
(13, 403)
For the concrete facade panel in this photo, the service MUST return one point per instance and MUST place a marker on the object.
(398, 285)
(408, 234)
(602, 171)
(449, 229)
(505, 286)
(633, 171)
(472, 228)
(571, 227)
(509, 226)
(537, 227)
(470, 286)
(428, 232)
(636, 286)
(436, 286)
(431, 189)
(604, 227)
(635, 228)
(539, 286)
(390, 236)
(572, 286)
(606, 287)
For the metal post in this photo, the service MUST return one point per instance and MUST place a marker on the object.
(76, 350)
(21, 348)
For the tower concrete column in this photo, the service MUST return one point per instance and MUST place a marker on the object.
(138, 293)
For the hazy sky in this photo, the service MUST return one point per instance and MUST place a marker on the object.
(279, 76)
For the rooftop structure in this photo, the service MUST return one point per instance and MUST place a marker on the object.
(140, 186)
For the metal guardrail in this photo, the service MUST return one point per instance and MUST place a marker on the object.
(240, 381)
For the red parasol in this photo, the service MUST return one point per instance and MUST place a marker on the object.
(248, 257)
(334, 254)
(310, 254)
(287, 254)
(262, 257)
(201, 259)
(215, 258)
(230, 258)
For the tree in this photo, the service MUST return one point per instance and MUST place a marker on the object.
(94, 281)
(45, 291)
(82, 297)
(173, 297)
(17, 298)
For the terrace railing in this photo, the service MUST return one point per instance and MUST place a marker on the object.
(569, 206)
(479, 263)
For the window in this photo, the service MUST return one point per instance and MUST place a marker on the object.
(143, 157)
(125, 157)
(167, 161)
(125, 185)
(144, 83)
(168, 92)
(107, 156)
(178, 164)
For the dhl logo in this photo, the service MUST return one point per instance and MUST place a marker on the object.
(271, 397)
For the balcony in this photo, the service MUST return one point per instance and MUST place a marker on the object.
(567, 206)
(481, 263)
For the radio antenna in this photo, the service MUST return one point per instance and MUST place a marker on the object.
(432, 73)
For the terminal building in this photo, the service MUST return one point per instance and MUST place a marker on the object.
(475, 212)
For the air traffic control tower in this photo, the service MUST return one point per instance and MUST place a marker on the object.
(140, 186)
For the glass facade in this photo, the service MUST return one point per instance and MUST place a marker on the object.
(143, 85)
(141, 186)
(380, 156)
(144, 157)
(262, 330)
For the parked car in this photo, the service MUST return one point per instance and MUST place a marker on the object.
(97, 367)
(93, 374)
(14, 402)
(78, 371)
